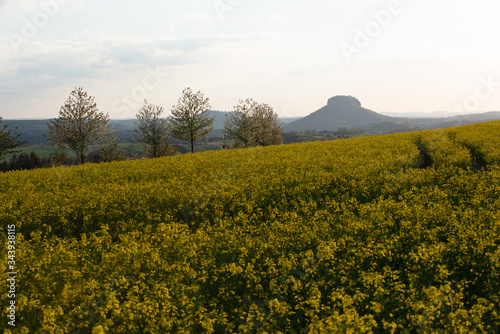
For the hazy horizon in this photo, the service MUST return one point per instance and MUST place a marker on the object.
(414, 114)
(394, 56)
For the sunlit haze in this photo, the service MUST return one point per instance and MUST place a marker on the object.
(394, 56)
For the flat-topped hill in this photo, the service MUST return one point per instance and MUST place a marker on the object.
(340, 111)
(346, 111)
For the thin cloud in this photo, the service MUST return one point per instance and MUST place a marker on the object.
(59, 62)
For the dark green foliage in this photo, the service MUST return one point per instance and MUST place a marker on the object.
(8, 140)
(112, 152)
(426, 160)
(25, 161)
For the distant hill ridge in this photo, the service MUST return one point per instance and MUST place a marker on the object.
(346, 111)
(33, 130)
(340, 111)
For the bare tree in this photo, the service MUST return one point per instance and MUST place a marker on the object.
(8, 142)
(253, 124)
(268, 130)
(79, 125)
(153, 131)
(190, 120)
(240, 124)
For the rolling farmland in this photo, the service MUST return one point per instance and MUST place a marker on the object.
(397, 233)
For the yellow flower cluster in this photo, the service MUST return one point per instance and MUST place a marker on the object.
(386, 234)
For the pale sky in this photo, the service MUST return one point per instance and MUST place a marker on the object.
(394, 56)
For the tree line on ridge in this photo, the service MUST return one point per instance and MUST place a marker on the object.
(81, 124)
